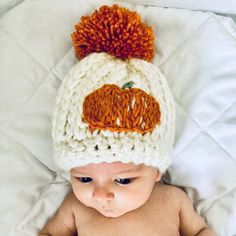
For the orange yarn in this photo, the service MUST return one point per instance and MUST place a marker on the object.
(114, 30)
(104, 106)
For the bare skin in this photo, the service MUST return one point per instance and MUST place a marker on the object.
(155, 209)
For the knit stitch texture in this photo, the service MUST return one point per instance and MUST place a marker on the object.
(75, 145)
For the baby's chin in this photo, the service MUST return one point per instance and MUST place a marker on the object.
(109, 214)
(113, 213)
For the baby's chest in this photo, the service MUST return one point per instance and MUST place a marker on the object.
(134, 224)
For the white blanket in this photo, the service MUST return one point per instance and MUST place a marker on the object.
(197, 53)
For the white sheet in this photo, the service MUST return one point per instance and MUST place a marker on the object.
(219, 6)
(197, 53)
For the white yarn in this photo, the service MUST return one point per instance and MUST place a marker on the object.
(75, 145)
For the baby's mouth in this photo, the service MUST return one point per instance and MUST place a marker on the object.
(105, 209)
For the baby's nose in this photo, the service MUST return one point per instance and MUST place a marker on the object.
(101, 194)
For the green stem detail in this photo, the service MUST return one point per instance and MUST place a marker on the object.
(128, 85)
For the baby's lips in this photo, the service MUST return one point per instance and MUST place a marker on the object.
(115, 109)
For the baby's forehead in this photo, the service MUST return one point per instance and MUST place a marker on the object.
(113, 167)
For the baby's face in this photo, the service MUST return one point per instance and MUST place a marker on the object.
(115, 188)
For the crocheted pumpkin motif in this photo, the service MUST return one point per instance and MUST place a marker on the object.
(120, 109)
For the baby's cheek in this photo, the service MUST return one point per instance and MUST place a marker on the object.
(128, 201)
(84, 196)
(82, 193)
(137, 199)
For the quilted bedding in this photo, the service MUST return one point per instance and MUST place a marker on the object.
(195, 50)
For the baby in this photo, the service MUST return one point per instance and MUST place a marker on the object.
(124, 199)
(113, 131)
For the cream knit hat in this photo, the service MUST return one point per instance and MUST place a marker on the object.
(113, 107)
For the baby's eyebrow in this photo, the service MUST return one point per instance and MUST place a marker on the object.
(128, 170)
(120, 172)
(80, 172)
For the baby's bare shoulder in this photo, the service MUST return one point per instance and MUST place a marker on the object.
(170, 193)
(78, 208)
(170, 190)
(73, 201)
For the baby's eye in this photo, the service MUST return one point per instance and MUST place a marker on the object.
(123, 181)
(84, 179)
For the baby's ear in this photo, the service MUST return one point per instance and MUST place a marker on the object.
(158, 175)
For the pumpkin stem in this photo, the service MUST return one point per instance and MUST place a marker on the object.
(128, 85)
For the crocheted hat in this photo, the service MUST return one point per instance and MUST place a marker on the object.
(114, 104)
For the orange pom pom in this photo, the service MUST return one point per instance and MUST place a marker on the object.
(114, 30)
